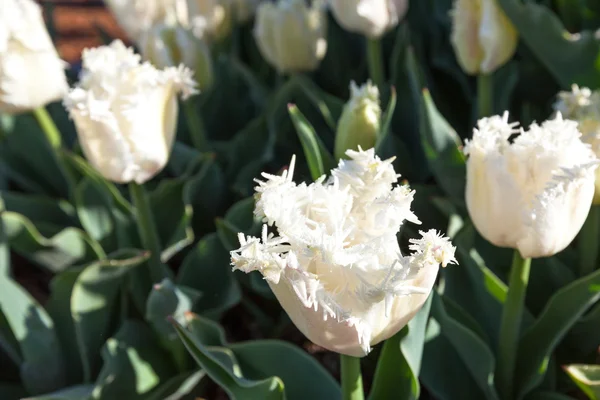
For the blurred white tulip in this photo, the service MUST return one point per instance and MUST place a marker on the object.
(371, 18)
(290, 35)
(125, 112)
(31, 73)
(532, 193)
(333, 261)
(483, 37)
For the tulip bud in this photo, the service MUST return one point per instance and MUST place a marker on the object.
(210, 19)
(31, 73)
(360, 121)
(334, 262)
(583, 106)
(371, 18)
(532, 193)
(166, 46)
(126, 112)
(138, 16)
(483, 37)
(290, 35)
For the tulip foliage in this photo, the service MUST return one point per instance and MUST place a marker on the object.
(382, 199)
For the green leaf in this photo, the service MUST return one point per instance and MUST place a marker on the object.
(133, 364)
(442, 148)
(78, 392)
(207, 269)
(570, 59)
(69, 246)
(95, 294)
(221, 364)
(587, 378)
(470, 347)
(12, 391)
(399, 363)
(319, 160)
(42, 367)
(40, 209)
(549, 396)
(59, 308)
(386, 120)
(95, 213)
(537, 343)
(179, 386)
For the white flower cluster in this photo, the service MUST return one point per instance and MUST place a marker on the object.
(532, 192)
(336, 250)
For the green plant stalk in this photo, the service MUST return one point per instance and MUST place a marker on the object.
(589, 237)
(352, 386)
(512, 314)
(50, 130)
(375, 62)
(147, 231)
(196, 125)
(485, 95)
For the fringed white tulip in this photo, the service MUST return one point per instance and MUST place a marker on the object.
(371, 18)
(126, 112)
(31, 73)
(333, 259)
(532, 193)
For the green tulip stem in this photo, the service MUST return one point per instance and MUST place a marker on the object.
(147, 231)
(485, 95)
(196, 125)
(512, 314)
(589, 237)
(375, 62)
(48, 126)
(352, 386)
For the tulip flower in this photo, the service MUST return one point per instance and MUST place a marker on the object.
(483, 39)
(534, 193)
(360, 121)
(210, 19)
(169, 46)
(291, 35)
(583, 106)
(31, 73)
(333, 260)
(371, 18)
(125, 112)
(138, 16)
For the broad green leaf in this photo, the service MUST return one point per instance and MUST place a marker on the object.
(207, 269)
(133, 364)
(221, 364)
(95, 294)
(538, 342)
(179, 386)
(399, 363)
(169, 301)
(302, 375)
(40, 209)
(570, 58)
(69, 246)
(12, 391)
(319, 160)
(94, 209)
(583, 341)
(42, 367)
(470, 347)
(587, 378)
(59, 308)
(549, 396)
(78, 392)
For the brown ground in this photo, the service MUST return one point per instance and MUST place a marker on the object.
(77, 22)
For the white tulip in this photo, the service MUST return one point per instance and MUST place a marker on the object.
(291, 36)
(483, 37)
(138, 16)
(371, 18)
(334, 262)
(583, 106)
(209, 19)
(31, 73)
(532, 193)
(126, 112)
